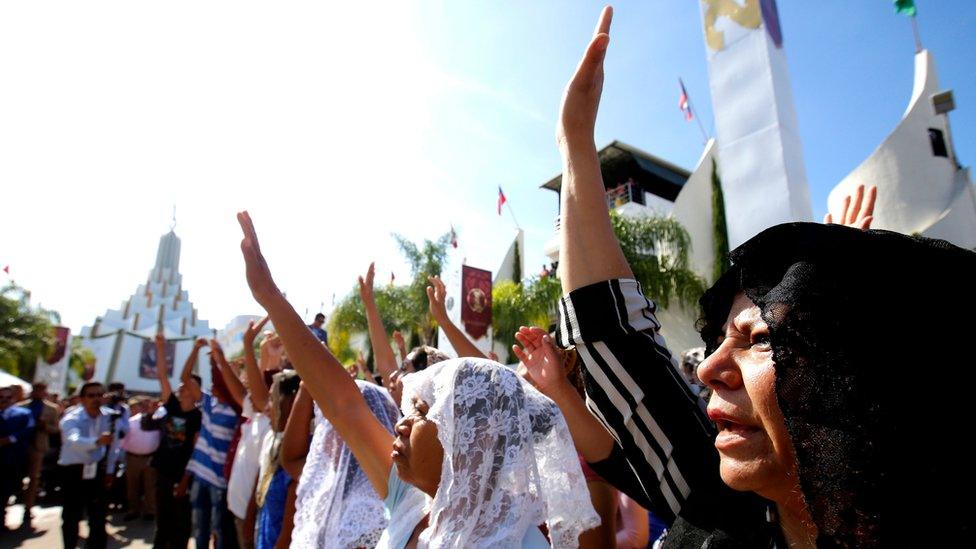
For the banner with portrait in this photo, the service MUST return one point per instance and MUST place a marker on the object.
(475, 301)
(148, 359)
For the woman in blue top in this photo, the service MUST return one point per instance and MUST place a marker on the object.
(482, 459)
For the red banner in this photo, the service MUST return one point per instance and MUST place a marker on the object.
(475, 301)
(60, 344)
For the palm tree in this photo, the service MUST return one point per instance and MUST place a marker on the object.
(529, 303)
(403, 308)
(657, 249)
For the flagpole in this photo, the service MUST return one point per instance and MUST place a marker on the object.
(694, 113)
(918, 38)
(511, 211)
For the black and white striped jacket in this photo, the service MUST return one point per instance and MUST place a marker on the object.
(665, 456)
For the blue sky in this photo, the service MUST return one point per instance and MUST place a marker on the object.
(336, 125)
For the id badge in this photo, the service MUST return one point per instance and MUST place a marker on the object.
(88, 472)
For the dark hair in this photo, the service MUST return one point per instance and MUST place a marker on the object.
(198, 379)
(320, 315)
(116, 386)
(84, 387)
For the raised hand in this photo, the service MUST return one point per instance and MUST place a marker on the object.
(543, 362)
(199, 344)
(218, 353)
(852, 215)
(263, 287)
(581, 100)
(253, 330)
(436, 295)
(366, 285)
(160, 341)
(401, 344)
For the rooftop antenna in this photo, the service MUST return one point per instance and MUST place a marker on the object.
(173, 224)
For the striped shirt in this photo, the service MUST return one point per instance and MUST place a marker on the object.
(664, 455)
(210, 453)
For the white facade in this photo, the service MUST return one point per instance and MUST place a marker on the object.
(231, 337)
(159, 305)
(918, 192)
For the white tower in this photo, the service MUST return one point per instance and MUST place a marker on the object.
(761, 160)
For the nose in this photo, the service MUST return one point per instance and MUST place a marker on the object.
(720, 370)
(402, 427)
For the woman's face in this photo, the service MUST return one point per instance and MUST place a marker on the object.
(754, 446)
(417, 453)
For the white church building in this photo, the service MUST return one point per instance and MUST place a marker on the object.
(121, 337)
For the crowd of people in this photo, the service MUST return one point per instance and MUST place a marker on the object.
(809, 419)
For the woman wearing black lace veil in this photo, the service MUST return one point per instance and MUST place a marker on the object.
(831, 419)
(856, 322)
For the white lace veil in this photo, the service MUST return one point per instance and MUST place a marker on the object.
(509, 461)
(335, 504)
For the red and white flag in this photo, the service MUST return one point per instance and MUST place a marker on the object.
(6, 269)
(683, 103)
(501, 199)
(453, 237)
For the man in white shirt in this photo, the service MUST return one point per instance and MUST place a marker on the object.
(139, 446)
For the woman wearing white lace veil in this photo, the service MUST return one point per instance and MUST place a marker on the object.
(335, 505)
(481, 460)
(509, 464)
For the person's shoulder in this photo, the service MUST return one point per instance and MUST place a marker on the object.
(72, 413)
(18, 410)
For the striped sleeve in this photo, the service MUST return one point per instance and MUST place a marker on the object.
(634, 389)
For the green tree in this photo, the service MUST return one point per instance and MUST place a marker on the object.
(25, 333)
(80, 357)
(515, 304)
(657, 249)
(425, 261)
(720, 234)
(404, 308)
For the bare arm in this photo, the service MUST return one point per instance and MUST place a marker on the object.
(589, 251)
(294, 443)
(162, 369)
(288, 521)
(544, 366)
(436, 294)
(327, 381)
(634, 530)
(383, 356)
(255, 381)
(188, 382)
(234, 385)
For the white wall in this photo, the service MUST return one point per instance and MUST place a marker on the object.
(917, 191)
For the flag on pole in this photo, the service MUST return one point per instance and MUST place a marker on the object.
(6, 269)
(392, 278)
(453, 237)
(501, 199)
(906, 7)
(683, 102)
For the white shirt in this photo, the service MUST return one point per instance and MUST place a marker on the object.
(247, 460)
(140, 442)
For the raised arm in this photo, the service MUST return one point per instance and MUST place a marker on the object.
(295, 441)
(189, 384)
(233, 383)
(162, 368)
(545, 370)
(589, 251)
(436, 294)
(383, 356)
(327, 381)
(255, 381)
